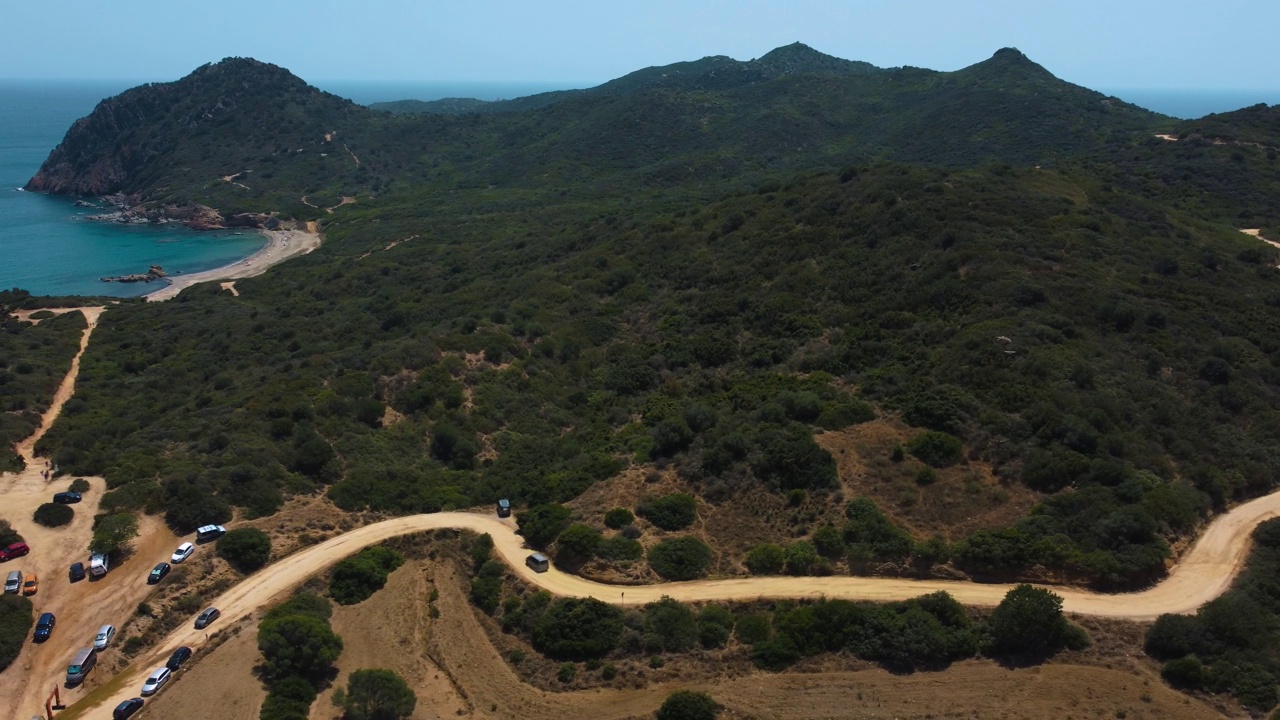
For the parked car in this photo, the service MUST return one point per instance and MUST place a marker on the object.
(99, 564)
(14, 550)
(67, 498)
(504, 508)
(207, 617)
(157, 573)
(209, 533)
(44, 627)
(76, 573)
(105, 635)
(155, 681)
(31, 585)
(183, 552)
(538, 562)
(178, 657)
(80, 666)
(126, 709)
(13, 583)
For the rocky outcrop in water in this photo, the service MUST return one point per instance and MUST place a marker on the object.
(155, 272)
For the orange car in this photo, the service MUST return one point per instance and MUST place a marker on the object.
(31, 585)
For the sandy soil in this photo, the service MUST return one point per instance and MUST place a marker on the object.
(83, 607)
(1256, 232)
(456, 672)
(1170, 138)
(281, 245)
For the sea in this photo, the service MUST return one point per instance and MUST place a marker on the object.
(48, 247)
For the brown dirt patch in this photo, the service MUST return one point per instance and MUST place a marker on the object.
(221, 683)
(960, 500)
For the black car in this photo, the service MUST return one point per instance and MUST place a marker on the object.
(44, 627)
(504, 508)
(126, 709)
(77, 572)
(178, 657)
(67, 498)
(157, 573)
(206, 617)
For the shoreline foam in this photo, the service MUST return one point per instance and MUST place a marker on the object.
(281, 245)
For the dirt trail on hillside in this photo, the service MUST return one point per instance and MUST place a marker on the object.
(83, 607)
(1203, 574)
(1257, 232)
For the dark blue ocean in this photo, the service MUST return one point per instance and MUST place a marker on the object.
(48, 248)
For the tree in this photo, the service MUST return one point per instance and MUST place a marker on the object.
(682, 558)
(377, 694)
(672, 623)
(577, 543)
(53, 515)
(542, 524)
(15, 623)
(114, 533)
(246, 549)
(801, 557)
(1028, 624)
(358, 577)
(688, 705)
(791, 460)
(936, 448)
(300, 645)
(618, 518)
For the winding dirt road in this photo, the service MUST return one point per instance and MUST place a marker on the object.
(1203, 573)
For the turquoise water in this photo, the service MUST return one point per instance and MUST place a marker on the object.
(46, 245)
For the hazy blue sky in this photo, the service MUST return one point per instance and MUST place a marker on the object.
(1228, 44)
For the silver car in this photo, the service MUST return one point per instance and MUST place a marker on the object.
(105, 635)
(155, 681)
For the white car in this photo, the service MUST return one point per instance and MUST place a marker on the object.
(183, 552)
(156, 680)
(105, 635)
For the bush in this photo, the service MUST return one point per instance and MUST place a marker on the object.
(1186, 673)
(688, 705)
(377, 694)
(245, 549)
(682, 558)
(752, 629)
(80, 485)
(53, 515)
(577, 543)
(114, 533)
(8, 535)
(776, 653)
(715, 625)
(1028, 624)
(766, 559)
(672, 624)
(15, 622)
(542, 524)
(567, 672)
(670, 512)
(619, 549)
(801, 557)
(356, 578)
(790, 459)
(936, 448)
(578, 629)
(301, 645)
(829, 542)
(618, 518)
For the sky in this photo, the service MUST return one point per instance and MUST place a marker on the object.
(1147, 44)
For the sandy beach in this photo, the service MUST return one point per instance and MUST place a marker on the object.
(281, 245)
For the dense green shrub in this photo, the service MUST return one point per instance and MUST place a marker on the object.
(752, 628)
(1028, 624)
(577, 543)
(245, 549)
(577, 629)
(619, 549)
(670, 512)
(766, 559)
(618, 518)
(8, 535)
(670, 626)
(829, 542)
(360, 576)
(113, 533)
(682, 558)
(376, 694)
(938, 449)
(688, 705)
(297, 645)
(1186, 673)
(542, 524)
(801, 557)
(79, 485)
(790, 459)
(15, 622)
(53, 515)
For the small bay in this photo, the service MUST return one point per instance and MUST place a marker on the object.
(46, 245)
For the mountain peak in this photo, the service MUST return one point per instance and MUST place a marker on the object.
(1009, 63)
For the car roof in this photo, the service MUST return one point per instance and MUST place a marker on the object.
(158, 672)
(185, 545)
(105, 628)
(46, 616)
(209, 611)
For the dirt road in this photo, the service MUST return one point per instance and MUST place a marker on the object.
(1202, 575)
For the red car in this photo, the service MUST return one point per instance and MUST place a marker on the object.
(13, 551)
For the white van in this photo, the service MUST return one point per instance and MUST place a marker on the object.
(99, 565)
